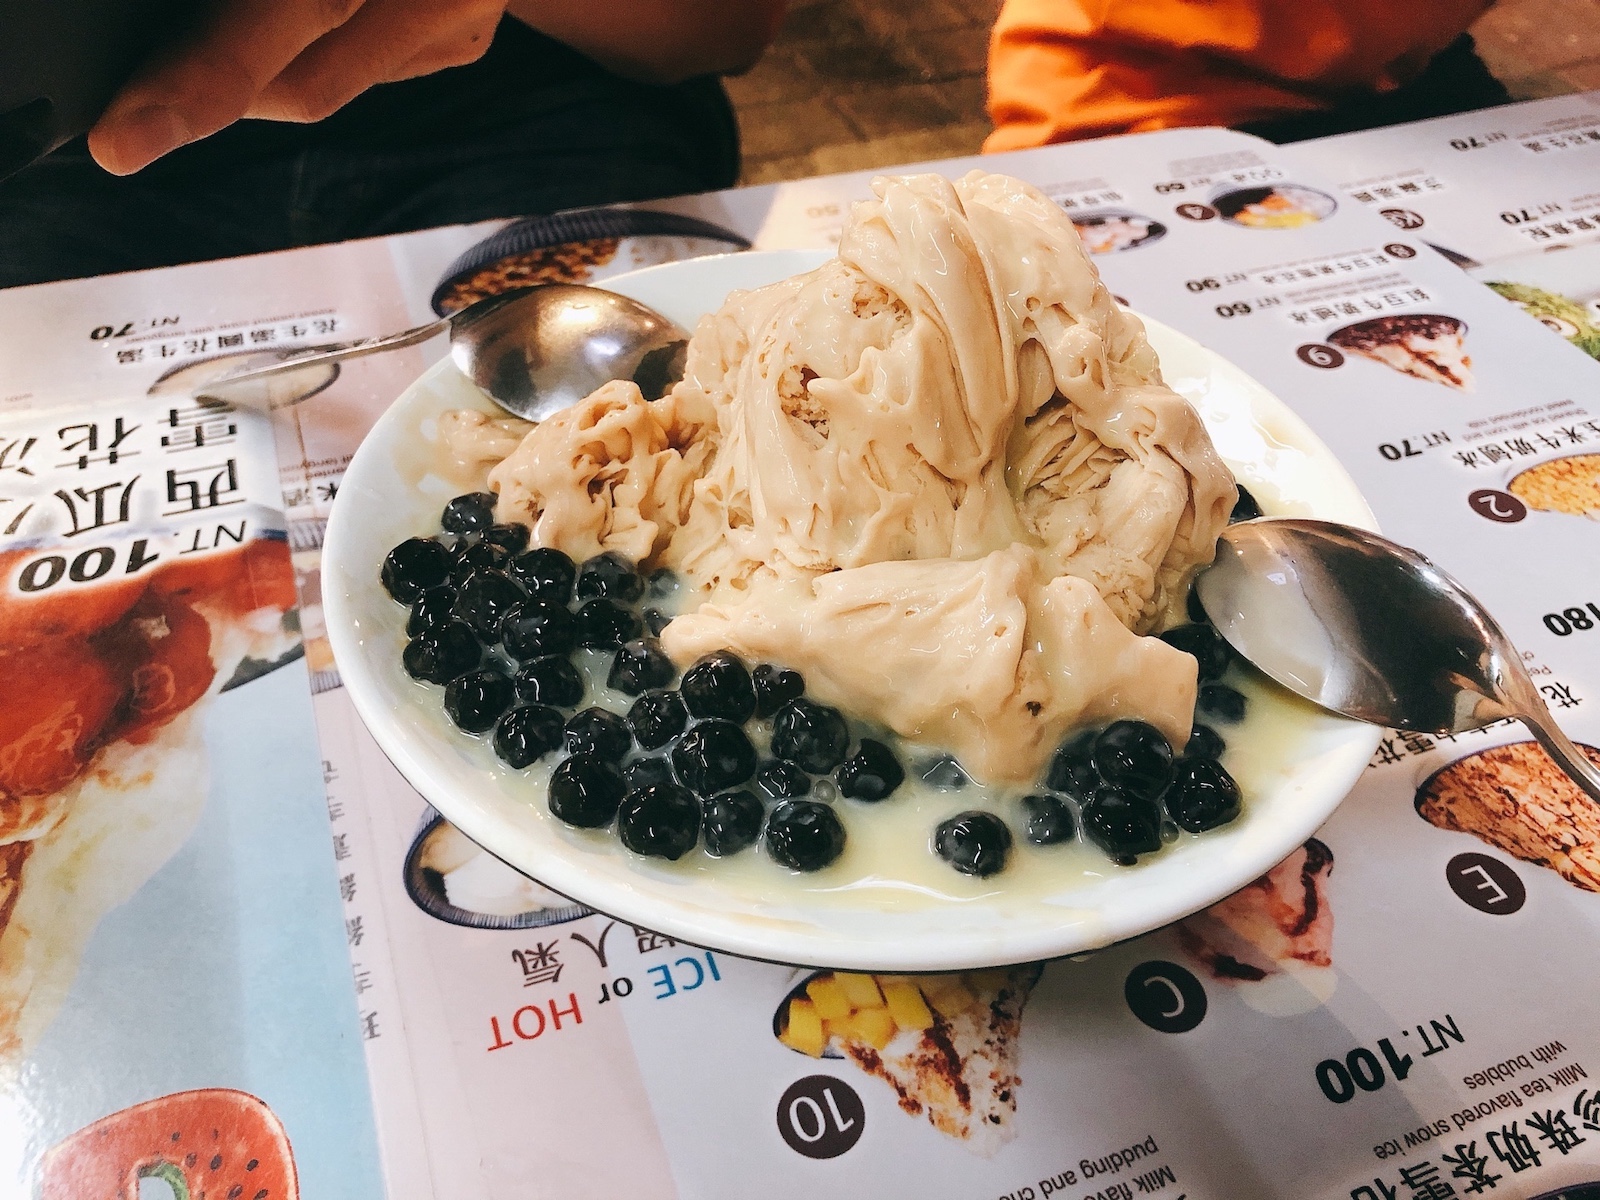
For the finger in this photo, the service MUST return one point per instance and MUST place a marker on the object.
(467, 47)
(387, 40)
(209, 79)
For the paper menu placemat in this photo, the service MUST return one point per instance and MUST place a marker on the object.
(1433, 1032)
(172, 955)
(1478, 185)
(1246, 1128)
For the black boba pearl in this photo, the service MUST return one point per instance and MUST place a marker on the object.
(412, 567)
(476, 700)
(585, 791)
(662, 821)
(440, 653)
(871, 773)
(1207, 645)
(598, 731)
(655, 621)
(775, 687)
(642, 772)
(431, 608)
(604, 625)
(1135, 757)
(1121, 825)
(545, 571)
(609, 575)
(974, 843)
(781, 780)
(713, 757)
(550, 680)
(511, 538)
(484, 600)
(730, 822)
(661, 583)
(527, 733)
(1202, 796)
(944, 773)
(804, 835)
(1222, 702)
(719, 685)
(537, 627)
(811, 735)
(640, 665)
(656, 718)
(1204, 742)
(1196, 610)
(1050, 820)
(471, 513)
(1245, 508)
(1072, 770)
(472, 557)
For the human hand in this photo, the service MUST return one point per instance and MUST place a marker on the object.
(282, 60)
(659, 41)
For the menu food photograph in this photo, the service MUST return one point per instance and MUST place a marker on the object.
(813, 770)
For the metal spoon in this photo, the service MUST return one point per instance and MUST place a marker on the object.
(1372, 630)
(534, 350)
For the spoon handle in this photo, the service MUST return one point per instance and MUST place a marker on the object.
(1569, 757)
(1521, 695)
(338, 353)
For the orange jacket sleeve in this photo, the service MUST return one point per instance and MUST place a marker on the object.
(1066, 69)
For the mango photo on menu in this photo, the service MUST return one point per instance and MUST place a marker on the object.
(947, 1045)
(1278, 206)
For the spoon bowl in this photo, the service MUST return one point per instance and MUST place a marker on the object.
(538, 350)
(533, 350)
(1370, 629)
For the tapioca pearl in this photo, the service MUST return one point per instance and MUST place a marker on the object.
(414, 566)
(484, 600)
(714, 756)
(1135, 757)
(527, 733)
(585, 791)
(470, 513)
(719, 685)
(551, 679)
(545, 571)
(974, 842)
(598, 731)
(655, 718)
(476, 700)
(804, 835)
(730, 822)
(609, 575)
(661, 821)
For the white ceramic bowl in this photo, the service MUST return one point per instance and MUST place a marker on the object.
(387, 495)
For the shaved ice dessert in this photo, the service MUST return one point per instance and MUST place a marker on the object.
(937, 484)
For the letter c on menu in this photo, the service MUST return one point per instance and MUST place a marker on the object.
(1165, 996)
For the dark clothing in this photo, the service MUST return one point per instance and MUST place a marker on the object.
(1455, 80)
(533, 127)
